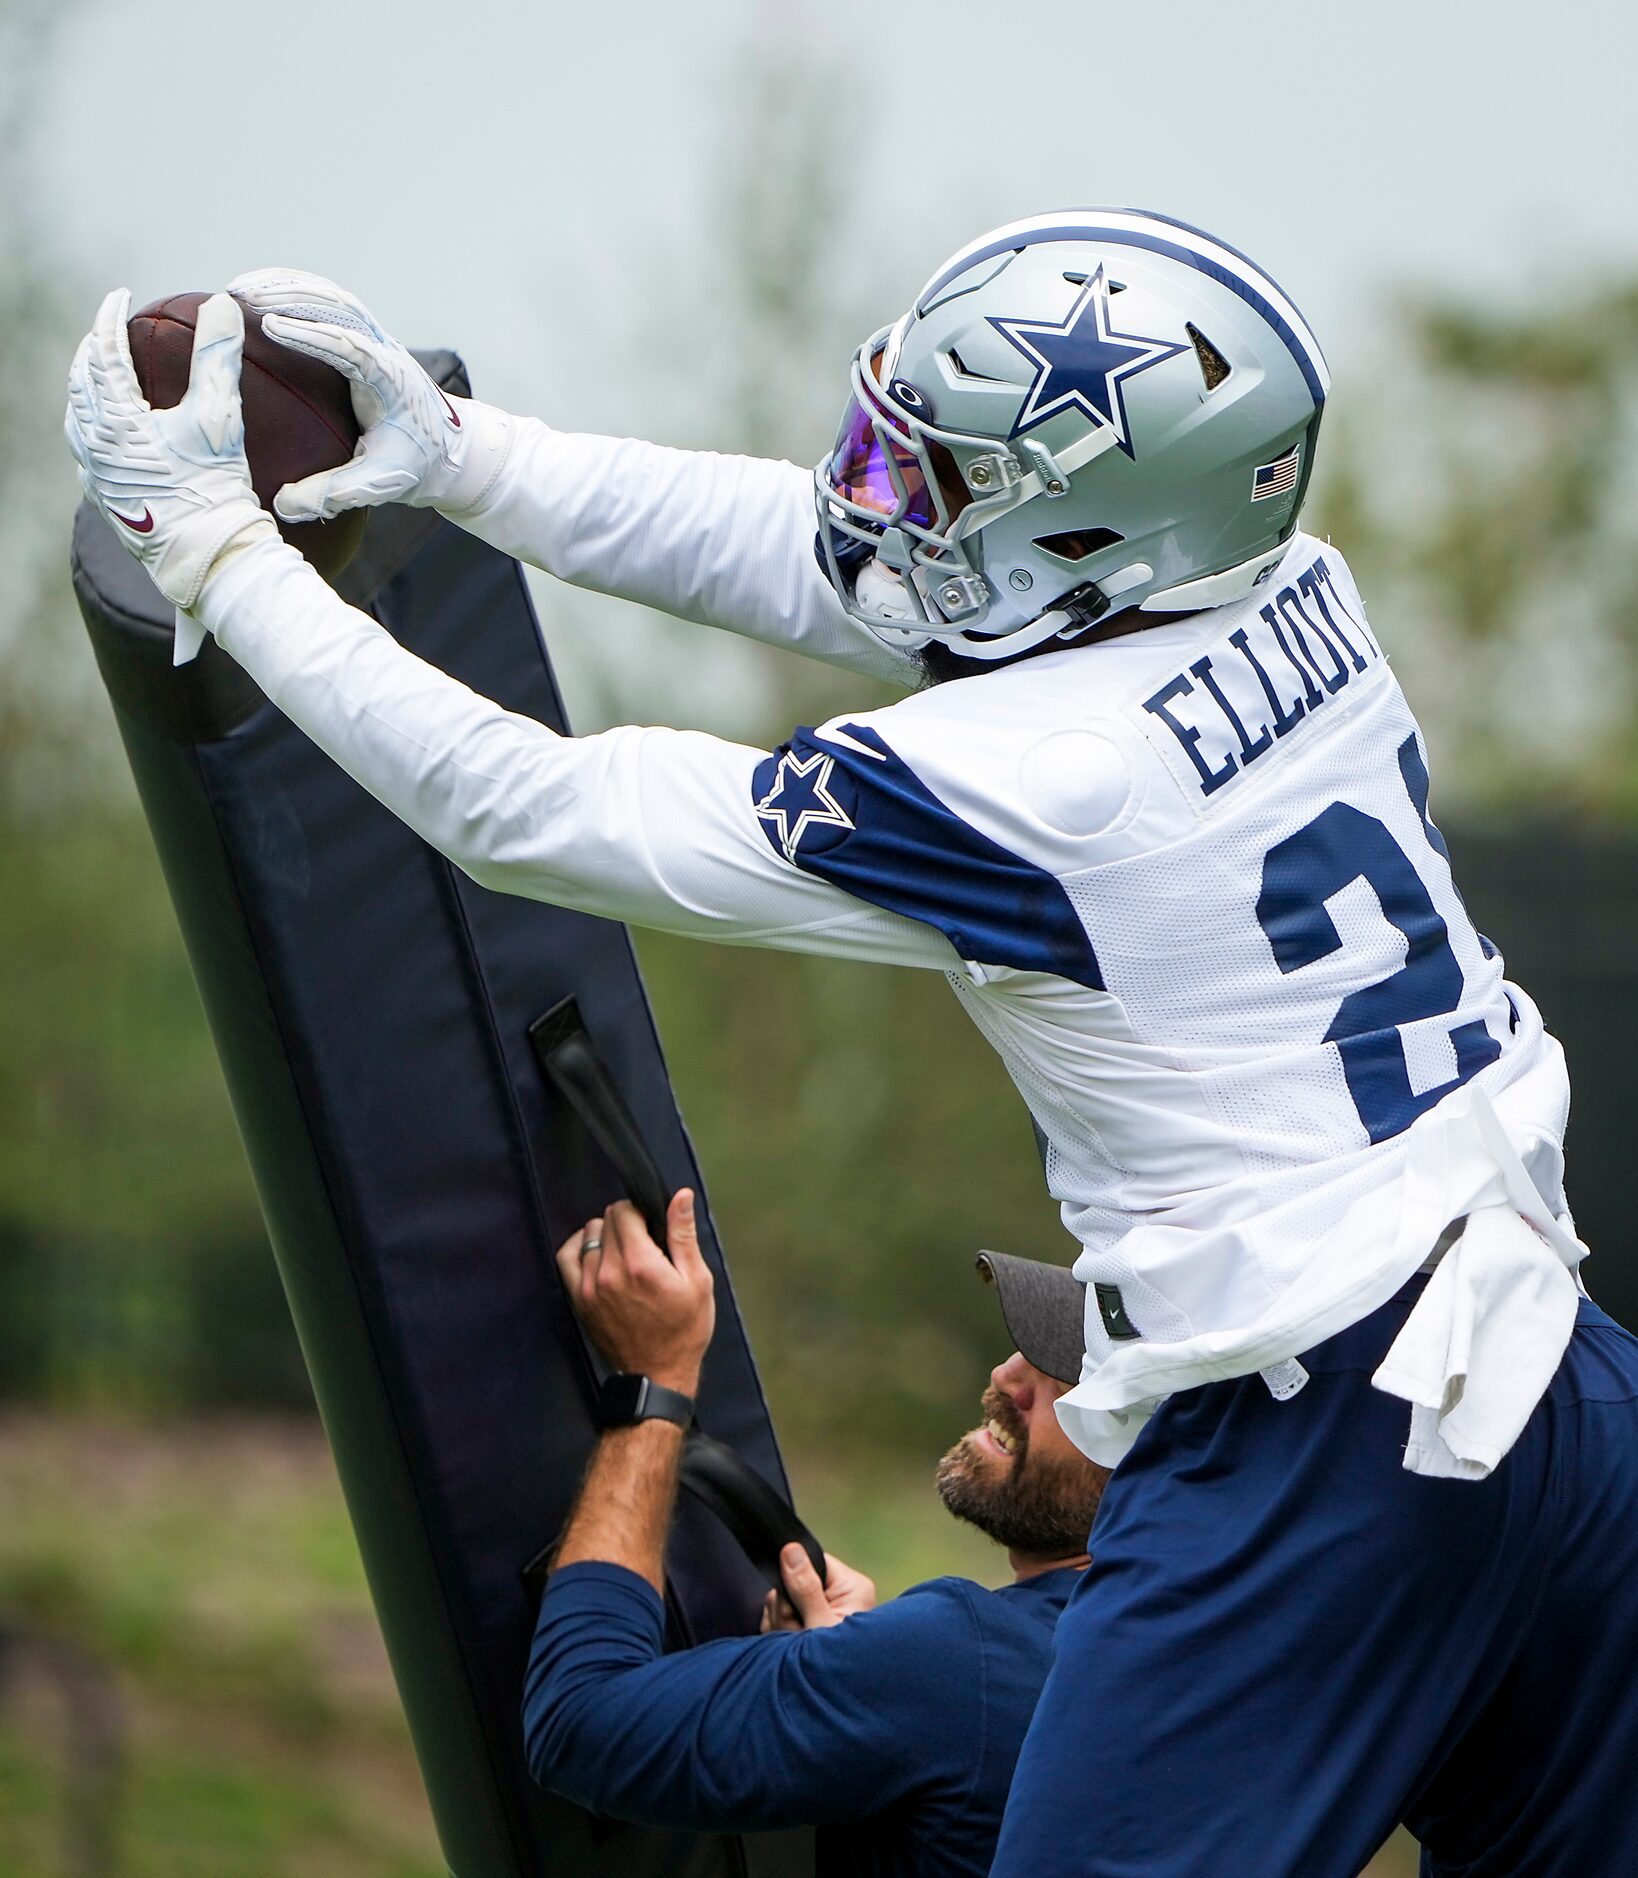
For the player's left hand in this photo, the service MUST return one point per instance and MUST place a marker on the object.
(174, 484)
(800, 1602)
(647, 1313)
(417, 447)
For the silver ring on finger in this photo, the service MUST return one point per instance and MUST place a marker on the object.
(591, 1245)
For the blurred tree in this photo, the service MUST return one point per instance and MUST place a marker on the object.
(746, 349)
(117, 1151)
(1487, 500)
(36, 757)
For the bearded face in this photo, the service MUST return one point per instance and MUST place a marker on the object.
(1038, 1503)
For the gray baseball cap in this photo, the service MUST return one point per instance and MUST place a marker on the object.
(1043, 1307)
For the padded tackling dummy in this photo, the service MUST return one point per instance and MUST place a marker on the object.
(372, 1007)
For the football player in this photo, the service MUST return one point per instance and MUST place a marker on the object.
(1163, 823)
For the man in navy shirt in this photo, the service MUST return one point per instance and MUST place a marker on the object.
(894, 1730)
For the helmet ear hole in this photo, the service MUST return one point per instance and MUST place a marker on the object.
(1076, 544)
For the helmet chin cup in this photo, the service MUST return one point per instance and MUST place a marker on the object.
(879, 590)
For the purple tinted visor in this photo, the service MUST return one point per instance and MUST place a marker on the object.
(870, 469)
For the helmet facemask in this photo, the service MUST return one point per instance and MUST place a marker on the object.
(901, 504)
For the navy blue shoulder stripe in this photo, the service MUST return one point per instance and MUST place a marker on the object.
(868, 824)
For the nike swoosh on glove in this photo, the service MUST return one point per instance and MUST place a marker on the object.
(418, 446)
(174, 484)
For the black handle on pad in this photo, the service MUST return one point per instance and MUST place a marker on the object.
(565, 1051)
(761, 1519)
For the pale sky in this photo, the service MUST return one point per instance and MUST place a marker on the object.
(487, 171)
(542, 185)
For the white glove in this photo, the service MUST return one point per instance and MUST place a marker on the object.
(174, 484)
(418, 446)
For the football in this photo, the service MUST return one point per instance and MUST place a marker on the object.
(298, 414)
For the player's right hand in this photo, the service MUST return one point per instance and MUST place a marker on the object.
(418, 446)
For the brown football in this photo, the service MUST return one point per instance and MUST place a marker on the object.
(298, 414)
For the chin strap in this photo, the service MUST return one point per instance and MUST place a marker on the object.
(885, 586)
(1071, 617)
(1074, 613)
(1219, 589)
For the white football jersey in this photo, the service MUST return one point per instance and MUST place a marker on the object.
(1185, 881)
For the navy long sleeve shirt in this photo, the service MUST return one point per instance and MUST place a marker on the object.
(894, 1732)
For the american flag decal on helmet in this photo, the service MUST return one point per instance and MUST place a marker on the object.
(1278, 478)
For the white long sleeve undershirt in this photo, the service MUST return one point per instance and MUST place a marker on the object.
(723, 541)
(649, 825)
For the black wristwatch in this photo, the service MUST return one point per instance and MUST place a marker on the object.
(626, 1399)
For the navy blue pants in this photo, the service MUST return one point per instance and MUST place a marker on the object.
(1287, 1644)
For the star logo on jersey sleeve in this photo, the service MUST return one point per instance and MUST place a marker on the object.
(1084, 363)
(800, 799)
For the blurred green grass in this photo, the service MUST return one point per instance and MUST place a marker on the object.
(210, 1570)
(208, 1566)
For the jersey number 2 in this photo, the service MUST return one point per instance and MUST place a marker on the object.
(1343, 844)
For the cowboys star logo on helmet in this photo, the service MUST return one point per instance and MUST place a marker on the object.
(1083, 361)
(1065, 425)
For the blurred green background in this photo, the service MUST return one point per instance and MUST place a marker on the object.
(190, 1678)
